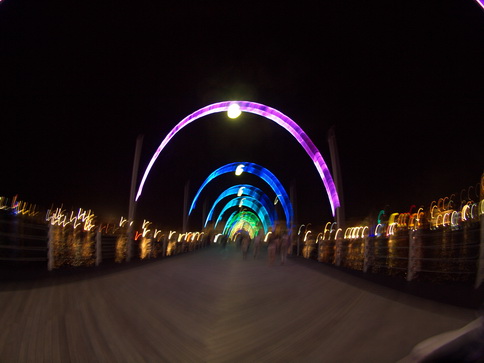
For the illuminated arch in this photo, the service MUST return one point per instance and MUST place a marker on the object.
(247, 220)
(259, 171)
(271, 114)
(250, 203)
(239, 190)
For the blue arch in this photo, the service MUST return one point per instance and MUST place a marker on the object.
(247, 189)
(259, 171)
(250, 203)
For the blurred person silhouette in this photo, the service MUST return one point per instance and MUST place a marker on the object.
(238, 240)
(165, 245)
(285, 240)
(271, 247)
(257, 243)
(245, 243)
(224, 240)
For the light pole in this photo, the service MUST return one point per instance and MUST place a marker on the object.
(185, 207)
(333, 148)
(132, 200)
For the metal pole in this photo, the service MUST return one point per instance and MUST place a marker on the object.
(204, 213)
(480, 263)
(292, 197)
(367, 252)
(132, 201)
(50, 248)
(333, 148)
(414, 253)
(99, 256)
(185, 206)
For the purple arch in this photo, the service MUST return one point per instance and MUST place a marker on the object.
(271, 114)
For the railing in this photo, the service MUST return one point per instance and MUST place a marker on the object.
(432, 255)
(22, 240)
(25, 239)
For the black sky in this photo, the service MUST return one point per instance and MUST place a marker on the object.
(401, 82)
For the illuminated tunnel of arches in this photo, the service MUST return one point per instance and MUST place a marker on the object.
(244, 190)
(259, 171)
(243, 220)
(269, 113)
(252, 204)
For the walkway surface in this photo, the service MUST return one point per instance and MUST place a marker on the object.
(212, 306)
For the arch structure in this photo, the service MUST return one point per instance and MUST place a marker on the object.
(251, 203)
(269, 113)
(243, 190)
(259, 171)
(243, 220)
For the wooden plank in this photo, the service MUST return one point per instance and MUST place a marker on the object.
(212, 306)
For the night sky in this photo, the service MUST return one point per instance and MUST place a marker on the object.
(401, 82)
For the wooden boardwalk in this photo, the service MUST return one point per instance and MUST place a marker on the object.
(212, 306)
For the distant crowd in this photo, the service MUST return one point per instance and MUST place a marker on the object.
(278, 245)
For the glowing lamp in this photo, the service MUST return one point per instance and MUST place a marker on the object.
(233, 110)
(240, 169)
(240, 192)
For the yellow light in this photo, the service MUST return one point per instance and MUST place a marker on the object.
(318, 237)
(233, 111)
(348, 232)
(339, 230)
(157, 232)
(240, 169)
(122, 221)
(306, 235)
(267, 236)
(145, 227)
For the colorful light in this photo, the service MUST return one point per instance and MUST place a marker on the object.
(239, 190)
(269, 113)
(259, 171)
(252, 204)
(245, 220)
(58, 217)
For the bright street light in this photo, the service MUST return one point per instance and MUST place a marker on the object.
(233, 110)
